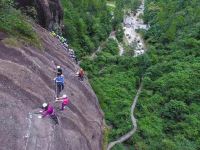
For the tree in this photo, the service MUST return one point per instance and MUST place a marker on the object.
(175, 110)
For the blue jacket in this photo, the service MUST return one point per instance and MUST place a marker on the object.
(59, 79)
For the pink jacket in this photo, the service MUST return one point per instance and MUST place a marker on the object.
(49, 111)
(65, 101)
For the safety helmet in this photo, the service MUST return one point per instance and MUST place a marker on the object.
(64, 96)
(58, 67)
(44, 105)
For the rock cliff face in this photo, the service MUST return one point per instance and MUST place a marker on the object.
(26, 81)
(50, 13)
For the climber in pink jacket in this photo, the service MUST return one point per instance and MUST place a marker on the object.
(47, 110)
(64, 99)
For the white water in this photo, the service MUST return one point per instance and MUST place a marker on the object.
(131, 23)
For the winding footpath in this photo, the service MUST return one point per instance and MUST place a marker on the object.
(131, 23)
(134, 122)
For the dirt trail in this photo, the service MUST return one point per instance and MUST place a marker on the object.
(134, 122)
(101, 45)
(111, 36)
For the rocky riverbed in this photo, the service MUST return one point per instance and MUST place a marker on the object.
(133, 22)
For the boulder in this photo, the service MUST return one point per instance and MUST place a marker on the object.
(49, 12)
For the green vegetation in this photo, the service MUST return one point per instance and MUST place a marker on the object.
(111, 47)
(113, 79)
(168, 109)
(15, 24)
(120, 147)
(105, 137)
(111, 6)
(87, 24)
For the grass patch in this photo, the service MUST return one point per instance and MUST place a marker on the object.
(105, 137)
(16, 25)
(12, 42)
(119, 147)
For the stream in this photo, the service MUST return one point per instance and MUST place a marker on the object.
(133, 22)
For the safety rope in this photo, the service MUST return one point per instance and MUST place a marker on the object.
(56, 95)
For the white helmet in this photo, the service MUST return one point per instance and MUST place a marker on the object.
(44, 105)
(64, 96)
(58, 67)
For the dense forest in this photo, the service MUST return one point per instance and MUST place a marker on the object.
(115, 78)
(86, 24)
(168, 108)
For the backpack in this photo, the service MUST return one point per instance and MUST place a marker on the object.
(81, 73)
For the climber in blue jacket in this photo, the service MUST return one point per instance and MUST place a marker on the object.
(59, 84)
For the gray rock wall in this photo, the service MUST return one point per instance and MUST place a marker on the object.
(49, 12)
(26, 81)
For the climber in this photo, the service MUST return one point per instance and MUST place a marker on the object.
(63, 40)
(65, 48)
(71, 52)
(80, 74)
(74, 58)
(58, 36)
(59, 70)
(59, 81)
(48, 110)
(53, 33)
(65, 45)
(65, 101)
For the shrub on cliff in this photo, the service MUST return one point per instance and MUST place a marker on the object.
(14, 23)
